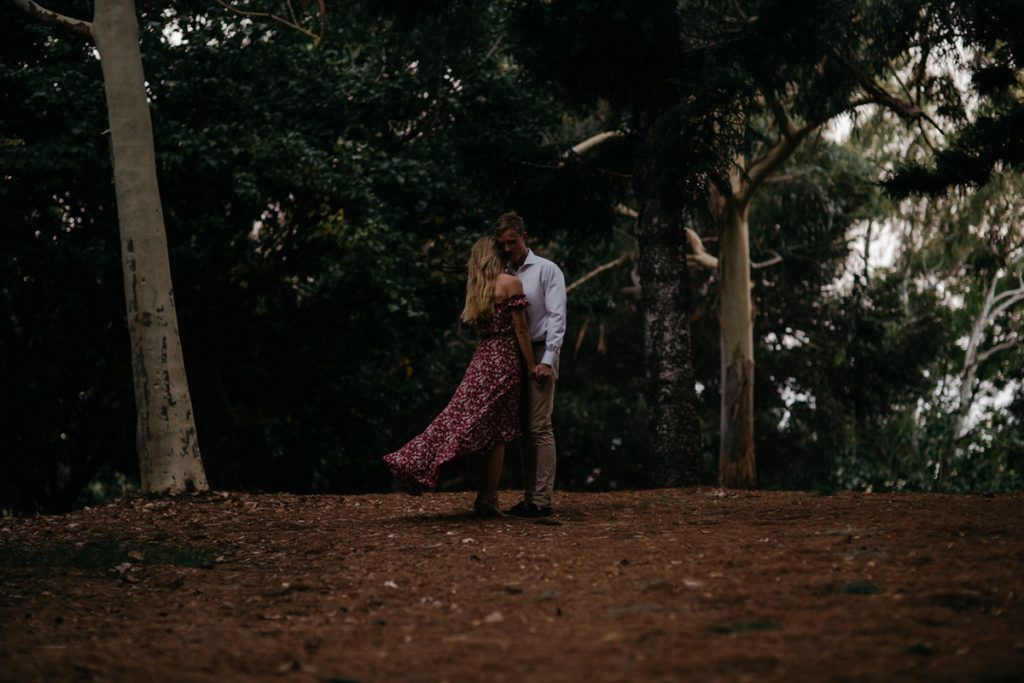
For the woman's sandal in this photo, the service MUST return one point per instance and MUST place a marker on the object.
(482, 508)
(407, 485)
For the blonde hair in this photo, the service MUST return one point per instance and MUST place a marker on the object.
(483, 268)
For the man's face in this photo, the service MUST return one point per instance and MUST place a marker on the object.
(513, 246)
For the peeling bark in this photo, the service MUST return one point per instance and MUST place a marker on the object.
(169, 458)
(674, 427)
(736, 459)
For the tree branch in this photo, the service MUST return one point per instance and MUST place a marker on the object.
(786, 177)
(700, 256)
(1002, 346)
(635, 290)
(600, 269)
(294, 25)
(494, 48)
(906, 109)
(626, 211)
(79, 26)
(1008, 294)
(776, 258)
(593, 141)
(1016, 295)
(761, 168)
(743, 15)
(580, 336)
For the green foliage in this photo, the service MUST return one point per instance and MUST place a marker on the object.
(991, 141)
(313, 344)
(107, 553)
(71, 414)
(320, 201)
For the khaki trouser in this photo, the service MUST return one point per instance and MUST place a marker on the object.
(538, 444)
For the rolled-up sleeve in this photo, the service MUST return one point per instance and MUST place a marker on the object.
(555, 303)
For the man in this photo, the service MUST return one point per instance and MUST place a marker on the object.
(544, 286)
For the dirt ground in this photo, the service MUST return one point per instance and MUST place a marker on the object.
(662, 585)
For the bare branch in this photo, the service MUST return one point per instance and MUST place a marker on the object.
(1002, 346)
(294, 25)
(743, 15)
(595, 140)
(635, 290)
(1008, 294)
(762, 167)
(776, 258)
(494, 48)
(600, 269)
(924, 136)
(859, 102)
(907, 109)
(903, 86)
(700, 256)
(1016, 295)
(50, 17)
(580, 337)
(626, 211)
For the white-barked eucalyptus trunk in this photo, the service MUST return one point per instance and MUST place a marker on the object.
(737, 467)
(168, 450)
(169, 459)
(730, 206)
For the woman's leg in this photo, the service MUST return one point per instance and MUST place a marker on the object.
(489, 477)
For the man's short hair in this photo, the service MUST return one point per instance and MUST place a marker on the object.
(508, 220)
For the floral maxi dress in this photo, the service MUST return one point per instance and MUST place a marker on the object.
(483, 411)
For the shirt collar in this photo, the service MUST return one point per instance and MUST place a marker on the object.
(530, 260)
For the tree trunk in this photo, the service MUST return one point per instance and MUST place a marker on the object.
(169, 459)
(674, 426)
(968, 375)
(736, 464)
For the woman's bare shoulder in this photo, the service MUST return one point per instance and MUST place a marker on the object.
(510, 284)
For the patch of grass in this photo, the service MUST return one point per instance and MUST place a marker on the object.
(823, 489)
(854, 588)
(106, 553)
(745, 625)
(178, 556)
(920, 648)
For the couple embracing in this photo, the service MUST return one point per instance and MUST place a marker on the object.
(516, 301)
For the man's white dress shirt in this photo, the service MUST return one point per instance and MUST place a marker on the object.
(544, 287)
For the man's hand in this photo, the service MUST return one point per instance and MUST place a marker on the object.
(542, 373)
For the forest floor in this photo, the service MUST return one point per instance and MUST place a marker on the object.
(661, 585)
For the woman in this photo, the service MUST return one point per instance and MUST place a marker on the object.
(484, 412)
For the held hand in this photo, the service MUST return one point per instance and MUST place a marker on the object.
(542, 373)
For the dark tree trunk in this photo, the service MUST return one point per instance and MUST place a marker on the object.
(673, 426)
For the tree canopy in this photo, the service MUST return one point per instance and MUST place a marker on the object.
(320, 201)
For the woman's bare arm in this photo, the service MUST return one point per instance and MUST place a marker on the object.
(523, 337)
(513, 286)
